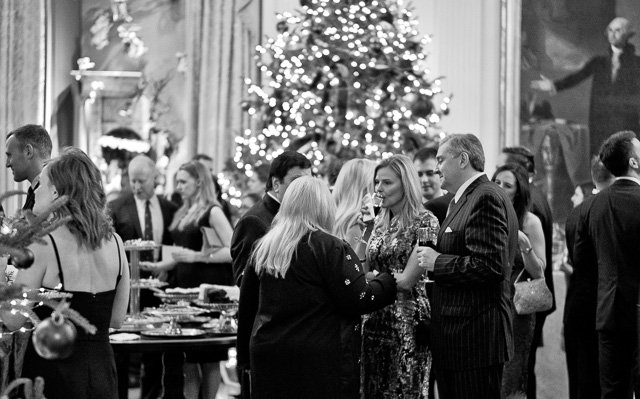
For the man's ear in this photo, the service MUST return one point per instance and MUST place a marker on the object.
(28, 151)
(633, 163)
(464, 160)
(275, 183)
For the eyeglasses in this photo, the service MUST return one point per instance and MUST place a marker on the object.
(429, 173)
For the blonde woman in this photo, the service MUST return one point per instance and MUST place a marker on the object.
(311, 292)
(354, 182)
(193, 267)
(396, 360)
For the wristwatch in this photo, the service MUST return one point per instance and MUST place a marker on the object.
(527, 250)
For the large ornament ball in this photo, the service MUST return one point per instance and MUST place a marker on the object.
(422, 107)
(22, 259)
(282, 27)
(54, 338)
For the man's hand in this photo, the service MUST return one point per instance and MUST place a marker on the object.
(544, 84)
(427, 257)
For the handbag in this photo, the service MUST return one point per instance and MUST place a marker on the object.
(531, 295)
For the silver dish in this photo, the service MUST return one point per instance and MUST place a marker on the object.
(182, 333)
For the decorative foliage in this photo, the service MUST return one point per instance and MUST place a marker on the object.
(16, 234)
(346, 78)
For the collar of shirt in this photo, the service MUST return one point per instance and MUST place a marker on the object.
(616, 51)
(634, 179)
(273, 196)
(36, 182)
(465, 185)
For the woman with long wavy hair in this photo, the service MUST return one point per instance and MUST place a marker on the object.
(305, 341)
(396, 360)
(354, 183)
(86, 258)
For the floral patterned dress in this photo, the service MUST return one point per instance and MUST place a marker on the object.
(396, 361)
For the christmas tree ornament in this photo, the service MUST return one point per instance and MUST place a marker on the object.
(22, 259)
(343, 65)
(54, 337)
(422, 107)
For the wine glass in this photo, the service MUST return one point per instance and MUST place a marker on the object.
(428, 237)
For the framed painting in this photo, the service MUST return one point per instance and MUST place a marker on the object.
(550, 40)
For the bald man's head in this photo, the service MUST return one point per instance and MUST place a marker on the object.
(142, 177)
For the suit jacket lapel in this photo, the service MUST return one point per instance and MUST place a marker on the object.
(132, 213)
(463, 199)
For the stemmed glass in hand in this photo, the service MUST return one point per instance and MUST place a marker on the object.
(428, 237)
(370, 209)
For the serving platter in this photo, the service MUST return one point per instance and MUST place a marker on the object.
(182, 333)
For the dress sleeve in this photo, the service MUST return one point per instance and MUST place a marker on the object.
(347, 285)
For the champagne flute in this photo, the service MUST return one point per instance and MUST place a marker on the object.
(376, 201)
(427, 237)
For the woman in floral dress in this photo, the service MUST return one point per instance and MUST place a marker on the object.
(396, 360)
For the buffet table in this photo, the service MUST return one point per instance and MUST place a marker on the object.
(173, 358)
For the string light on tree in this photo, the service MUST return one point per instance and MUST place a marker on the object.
(345, 79)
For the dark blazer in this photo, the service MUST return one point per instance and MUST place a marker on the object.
(438, 206)
(580, 303)
(614, 228)
(124, 214)
(614, 105)
(472, 309)
(581, 337)
(252, 226)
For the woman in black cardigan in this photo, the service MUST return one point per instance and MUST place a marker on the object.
(312, 290)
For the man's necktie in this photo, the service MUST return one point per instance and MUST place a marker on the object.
(451, 204)
(147, 234)
(31, 199)
(148, 223)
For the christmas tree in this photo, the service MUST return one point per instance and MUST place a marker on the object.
(345, 79)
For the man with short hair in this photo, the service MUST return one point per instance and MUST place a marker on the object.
(253, 225)
(27, 149)
(141, 214)
(435, 198)
(471, 267)
(539, 207)
(613, 224)
(579, 319)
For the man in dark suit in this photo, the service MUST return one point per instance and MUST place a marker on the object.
(471, 268)
(253, 225)
(579, 319)
(540, 208)
(28, 148)
(436, 200)
(141, 214)
(615, 89)
(613, 224)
